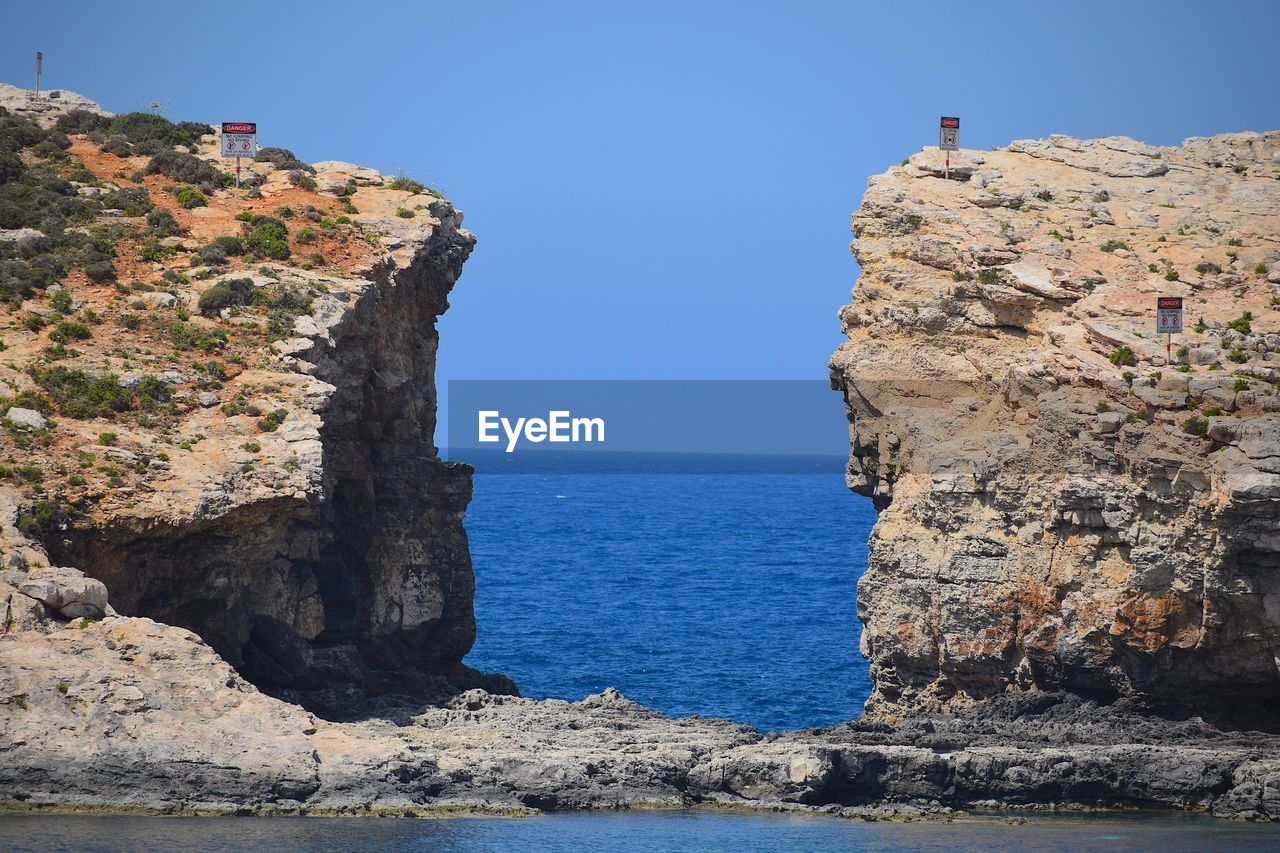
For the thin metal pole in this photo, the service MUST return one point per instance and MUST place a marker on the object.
(237, 172)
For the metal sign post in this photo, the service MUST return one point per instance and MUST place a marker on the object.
(239, 139)
(949, 140)
(39, 69)
(1168, 322)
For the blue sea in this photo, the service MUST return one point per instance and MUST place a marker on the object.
(657, 831)
(726, 595)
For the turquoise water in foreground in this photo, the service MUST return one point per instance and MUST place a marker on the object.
(724, 595)
(658, 831)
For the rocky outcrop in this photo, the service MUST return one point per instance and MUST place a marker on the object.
(290, 507)
(337, 566)
(1063, 506)
(128, 713)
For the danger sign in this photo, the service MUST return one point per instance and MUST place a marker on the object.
(949, 133)
(239, 139)
(1168, 315)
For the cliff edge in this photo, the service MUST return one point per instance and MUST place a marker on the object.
(1063, 504)
(221, 403)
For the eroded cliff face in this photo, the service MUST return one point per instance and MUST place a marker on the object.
(1060, 506)
(289, 506)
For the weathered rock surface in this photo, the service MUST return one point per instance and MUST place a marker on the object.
(126, 712)
(324, 559)
(1051, 516)
(322, 555)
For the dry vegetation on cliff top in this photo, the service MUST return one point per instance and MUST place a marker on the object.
(149, 308)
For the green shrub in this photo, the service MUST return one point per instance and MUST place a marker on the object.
(282, 158)
(160, 223)
(182, 167)
(1213, 412)
(306, 236)
(268, 238)
(107, 439)
(405, 183)
(140, 127)
(82, 121)
(29, 399)
(285, 212)
(189, 197)
(1238, 355)
(1241, 385)
(152, 252)
(1242, 323)
(131, 201)
(302, 180)
(1113, 245)
(82, 395)
(189, 336)
(224, 294)
(1208, 268)
(117, 146)
(272, 421)
(30, 473)
(152, 392)
(1122, 356)
(1171, 275)
(989, 276)
(1195, 425)
(252, 447)
(68, 330)
(42, 519)
(61, 301)
(1235, 241)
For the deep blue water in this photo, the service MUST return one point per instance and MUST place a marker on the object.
(658, 831)
(721, 595)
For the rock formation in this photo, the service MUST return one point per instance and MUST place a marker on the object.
(290, 507)
(221, 498)
(1062, 504)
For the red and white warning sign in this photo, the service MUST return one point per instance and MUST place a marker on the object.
(949, 133)
(1168, 315)
(239, 139)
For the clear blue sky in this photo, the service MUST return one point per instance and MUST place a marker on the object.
(660, 189)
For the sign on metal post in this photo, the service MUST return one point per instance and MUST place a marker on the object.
(1168, 322)
(949, 139)
(39, 71)
(239, 139)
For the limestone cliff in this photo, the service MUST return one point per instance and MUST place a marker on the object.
(263, 472)
(1061, 506)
